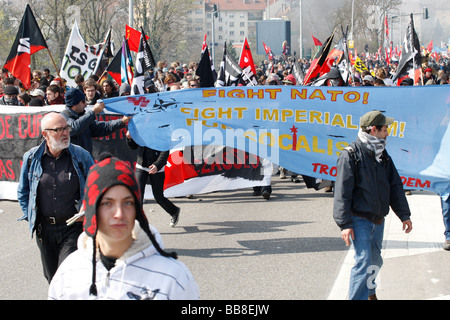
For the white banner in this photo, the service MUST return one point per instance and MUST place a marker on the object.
(79, 58)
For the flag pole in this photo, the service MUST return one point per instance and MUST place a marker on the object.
(101, 77)
(54, 64)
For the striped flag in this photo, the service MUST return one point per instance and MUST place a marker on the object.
(29, 40)
(230, 72)
(126, 65)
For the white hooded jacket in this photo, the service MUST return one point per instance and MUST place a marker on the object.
(140, 274)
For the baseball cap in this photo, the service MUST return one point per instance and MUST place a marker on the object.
(375, 118)
(290, 79)
(37, 92)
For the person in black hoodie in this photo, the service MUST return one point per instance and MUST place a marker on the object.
(150, 164)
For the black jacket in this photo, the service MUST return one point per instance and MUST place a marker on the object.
(367, 188)
(147, 156)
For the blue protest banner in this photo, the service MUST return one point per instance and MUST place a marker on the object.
(303, 129)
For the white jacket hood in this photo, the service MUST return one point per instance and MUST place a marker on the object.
(141, 273)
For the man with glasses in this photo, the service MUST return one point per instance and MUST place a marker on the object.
(50, 190)
(84, 124)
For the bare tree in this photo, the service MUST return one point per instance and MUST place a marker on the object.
(164, 21)
(367, 22)
(99, 16)
(51, 16)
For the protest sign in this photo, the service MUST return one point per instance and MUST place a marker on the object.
(20, 131)
(303, 129)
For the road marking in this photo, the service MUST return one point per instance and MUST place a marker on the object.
(427, 236)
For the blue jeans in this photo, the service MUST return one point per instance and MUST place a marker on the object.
(445, 202)
(368, 261)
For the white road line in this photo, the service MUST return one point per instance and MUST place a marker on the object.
(427, 236)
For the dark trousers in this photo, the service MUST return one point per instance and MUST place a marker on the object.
(56, 242)
(157, 183)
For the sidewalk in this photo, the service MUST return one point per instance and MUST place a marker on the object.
(415, 265)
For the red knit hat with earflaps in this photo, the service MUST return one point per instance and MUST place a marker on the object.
(103, 175)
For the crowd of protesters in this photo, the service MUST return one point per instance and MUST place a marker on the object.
(47, 89)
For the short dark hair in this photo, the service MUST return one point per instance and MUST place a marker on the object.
(367, 129)
(54, 88)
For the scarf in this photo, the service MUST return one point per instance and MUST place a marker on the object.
(373, 143)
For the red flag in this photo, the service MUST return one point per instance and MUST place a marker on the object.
(316, 41)
(318, 61)
(386, 26)
(268, 51)
(114, 67)
(430, 46)
(29, 40)
(133, 36)
(378, 56)
(335, 55)
(247, 65)
(204, 45)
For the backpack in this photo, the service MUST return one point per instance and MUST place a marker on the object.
(352, 153)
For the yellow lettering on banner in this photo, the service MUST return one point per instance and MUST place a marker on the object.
(269, 136)
(282, 146)
(240, 93)
(236, 93)
(316, 146)
(273, 93)
(286, 113)
(302, 143)
(350, 125)
(305, 116)
(210, 113)
(259, 93)
(250, 135)
(338, 121)
(317, 94)
(314, 116)
(270, 114)
(300, 116)
(295, 93)
(348, 96)
(334, 94)
(307, 144)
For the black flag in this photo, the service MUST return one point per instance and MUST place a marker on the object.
(144, 62)
(106, 53)
(230, 72)
(204, 70)
(29, 40)
(410, 60)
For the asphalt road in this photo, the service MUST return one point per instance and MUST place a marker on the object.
(239, 247)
